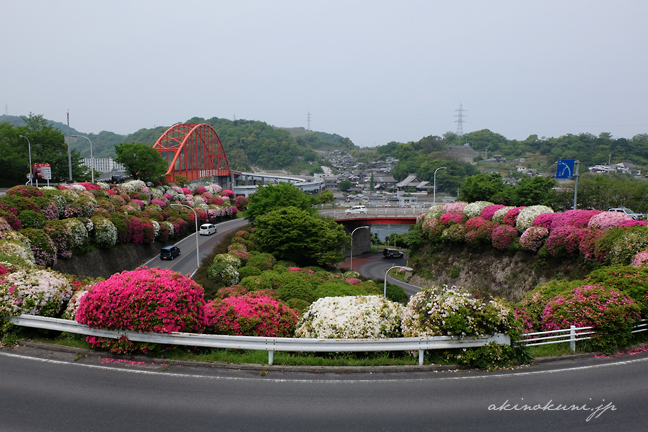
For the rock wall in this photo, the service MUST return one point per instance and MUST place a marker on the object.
(506, 274)
(106, 262)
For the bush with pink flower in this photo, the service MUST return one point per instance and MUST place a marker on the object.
(611, 313)
(575, 218)
(607, 220)
(640, 259)
(452, 218)
(533, 238)
(588, 247)
(511, 216)
(565, 240)
(455, 207)
(489, 211)
(250, 315)
(143, 300)
(504, 236)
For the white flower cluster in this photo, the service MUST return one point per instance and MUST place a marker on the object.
(434, 212)
(156, 228)
(78, 230)
(499, 214)
(214, 189)
(228, 258)
(103, 185)
(351, 317)
(443, 311)
(169, 226)
(73, 305)
(16, 244)
(474, 209)
(34, 292)
(226, 273)
(105, 232)
(133, 185)
(528, 214)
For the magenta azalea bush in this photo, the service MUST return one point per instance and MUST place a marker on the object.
(611, 313)
(452, 218)
(143, 300)
(575, 218)
(511, 216)
(565, 239)
(504, 236)
(250, 315)
(490, 210)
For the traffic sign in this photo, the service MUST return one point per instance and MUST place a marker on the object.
(565, 169)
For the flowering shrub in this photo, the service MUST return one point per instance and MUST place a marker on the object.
(432, 228)
(61, 236)
(104, 233)
(24, 191)
(228, 258)
(575, 218)
(263, 261)
(533, 238)
(144, 300)
(452, 218)
(479, 231)
(504, 236)
(73, 305)
(611, 313)
(223, 272)
(607, 220)
(33, 292)
(11, 219)
(455, 233)
(42, 247)
(627, 245)
(241, 203)
(529, 309)
(632, 223)
(565, 239)
(640, 259)
(227, 194)
(631, 281)
(250, 315)
(444, 311)
(511, 216)
(78, 230)
(499, 214)
(544, 220)
(587, 246)
(17, 245)
(354, 317)
(354, 281)
(475, 209)
(528, 214)
(455, 207)
(435, 211)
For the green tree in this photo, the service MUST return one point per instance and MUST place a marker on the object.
(345, 185)
(481, 187)
(273, 197)
(326, 197)
(533, 191)
(293, 234)
(141, 161)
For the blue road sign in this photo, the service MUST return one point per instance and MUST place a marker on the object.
(565, 169)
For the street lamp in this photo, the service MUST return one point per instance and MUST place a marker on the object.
(403, 267)
(352, 243)
(91, 158)
(196, 220)
(31, 174)
(434, 194)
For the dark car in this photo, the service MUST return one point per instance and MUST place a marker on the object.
(169, 252)
(392, 253)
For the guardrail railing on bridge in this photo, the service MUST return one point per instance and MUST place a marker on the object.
(266, 343)
(375, 212)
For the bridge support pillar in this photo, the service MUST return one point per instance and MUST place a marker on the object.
(361, 239)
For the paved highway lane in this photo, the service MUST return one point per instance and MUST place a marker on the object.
(38, 394)
(186, 262)
(375, 265)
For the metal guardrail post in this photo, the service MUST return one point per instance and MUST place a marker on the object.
(421, 354)
(572, 338)
(270, 357)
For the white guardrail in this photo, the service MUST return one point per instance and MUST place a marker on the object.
(373, 212)
(266, 343)
(572, 335)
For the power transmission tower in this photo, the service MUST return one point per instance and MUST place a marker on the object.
(460, 120)
(308, 121)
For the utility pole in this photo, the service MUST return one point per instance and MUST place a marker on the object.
(68, 143)
(308, 116)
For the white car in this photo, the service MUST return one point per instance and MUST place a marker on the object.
(359, 209)
(207, 229)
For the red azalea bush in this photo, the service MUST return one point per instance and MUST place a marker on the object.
(250, 315)
(216, 200)
(504, 236)
(565, 239)
(490, 210)
(611, 313)
(511, 216)
(452, 218)
(143, 300)
(473, 224)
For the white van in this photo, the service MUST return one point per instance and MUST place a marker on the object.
(359, 209)
(207, 229)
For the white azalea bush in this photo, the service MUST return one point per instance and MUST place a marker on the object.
(352, 317)
(434, 212)
(133, 185)
(223, 272)
(453, 311)
(79, 231)
(16, 244)
(528, 214)
(474, 209)
(104, 233)
(228, 258)
(34, 292)
(73, 305)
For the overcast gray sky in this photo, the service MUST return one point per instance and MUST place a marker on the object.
(374, 71)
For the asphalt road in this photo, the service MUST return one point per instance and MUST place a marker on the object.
(375, 266)
(93, 394)
(186, 262)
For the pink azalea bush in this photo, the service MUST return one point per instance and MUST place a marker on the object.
(575, 218)
(504, 236)
(544, 220)
(640, 259)
(455, 207)
(588, 248)
(607, 220)
(250, 315)
(490, 210)
(565, 239)
(533, 238)
(611, 313)
(143, 300)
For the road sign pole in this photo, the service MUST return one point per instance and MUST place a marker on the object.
(576, 183)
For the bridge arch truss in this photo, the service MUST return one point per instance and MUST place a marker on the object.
(194, 151)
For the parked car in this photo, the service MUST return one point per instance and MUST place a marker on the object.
(392, 253)
(359, 209)
(633, 215)
(207, 229)
(169, 252)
